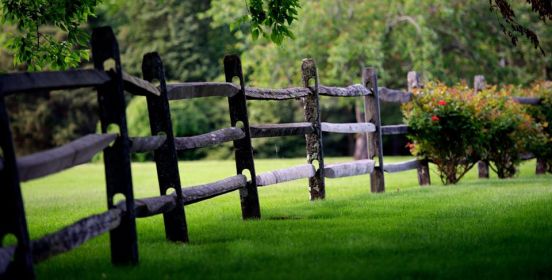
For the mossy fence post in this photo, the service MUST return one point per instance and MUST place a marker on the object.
(315, 151)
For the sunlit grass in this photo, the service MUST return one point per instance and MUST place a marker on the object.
(479, 228)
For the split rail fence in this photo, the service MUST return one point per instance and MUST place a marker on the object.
(17, 261)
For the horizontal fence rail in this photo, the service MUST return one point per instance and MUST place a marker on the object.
(527, 100)
(52, 161)
(68, 238)
(202, 192)
(146, 144)
(138, 86)
(209, 139)
(200, 89)
(350, 91)
(46, 81)
(284, 129)
(397, 129)
(348, 169)
(394, 96)
(276, 94)
(401, 166)
(285, 175)
(348, 127)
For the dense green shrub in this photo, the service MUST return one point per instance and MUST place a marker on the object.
(543, 115)
(454, 127)
(508, 131)
(445, 129)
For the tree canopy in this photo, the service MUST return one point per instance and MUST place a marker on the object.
(37, 45)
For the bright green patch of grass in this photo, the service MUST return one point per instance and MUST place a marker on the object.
(477, 229)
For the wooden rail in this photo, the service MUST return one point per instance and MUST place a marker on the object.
(67, 238)
(348, 127)
(350, 91)
(401, 166)
(46, 81)
(347, 169)
(276, 94)
(284, 129)
(52, 161)
(138, 86)
(197, 90)
(394, 129)
(209, 139)
(146, 144)
(202, 192)
(285, 175)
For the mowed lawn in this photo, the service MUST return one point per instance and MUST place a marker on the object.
(477, 229)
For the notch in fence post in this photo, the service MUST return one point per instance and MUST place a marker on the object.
(165, 157)
(111, 100)
(12, 211)
(315, 151)
(249, 196)
(374, 139)
(479, 84)
(414, 81)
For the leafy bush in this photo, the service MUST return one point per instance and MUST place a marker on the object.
(454, 127)
(543, 115)
(508, 131)
(445, 129)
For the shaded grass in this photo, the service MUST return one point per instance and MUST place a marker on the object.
(477, 229)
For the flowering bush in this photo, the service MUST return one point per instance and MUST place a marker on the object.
(508, 131)
(543, 115)
(445, 129)
(454, 127)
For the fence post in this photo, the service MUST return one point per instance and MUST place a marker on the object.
(424, 179)
(483, 165)
(541, 167)
(165, 157)
(111, 100)
(372, 112)
(243, 150)
(12, 211)
(315, 151)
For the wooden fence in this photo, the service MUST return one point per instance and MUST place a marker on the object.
(119, 220)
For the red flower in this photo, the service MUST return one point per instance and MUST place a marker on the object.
(442, 102)
(435, 118)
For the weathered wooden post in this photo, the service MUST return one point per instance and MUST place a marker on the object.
(243, 149)
(111, 100)
(414, 81)
(315, 151)
(165, 157)
(12, 212)
(540, 169)
(372, 112)
(483, 166)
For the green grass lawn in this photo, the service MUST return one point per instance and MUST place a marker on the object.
(477, 229)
